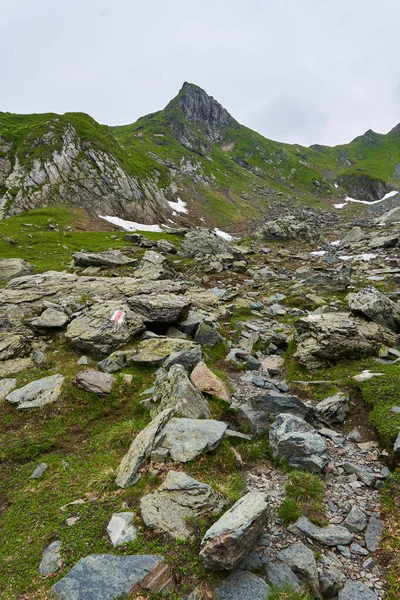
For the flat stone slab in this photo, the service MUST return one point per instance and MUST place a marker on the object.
(331, 535)
(95, 381)
(160, 308)
(155, 351)
(109, 258)
(242, 585)
(184, 439)
(362, 474)
(178, 499)
(121, 529)
(107, 577)
(50, 319)
(51, 559)
(37, 393)
(374, 533)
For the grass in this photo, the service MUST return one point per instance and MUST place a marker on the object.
(390, 548)
(288, 592)
(305, 495)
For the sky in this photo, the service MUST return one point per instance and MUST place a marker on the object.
(304, 71)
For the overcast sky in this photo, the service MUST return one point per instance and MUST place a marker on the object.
(305, 71)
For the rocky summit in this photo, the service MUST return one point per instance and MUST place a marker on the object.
(207, 408)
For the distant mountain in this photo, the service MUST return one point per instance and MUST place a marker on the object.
(193, 149)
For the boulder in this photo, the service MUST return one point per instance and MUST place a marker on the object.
(109, 258)
(107, 577)
(139, 240)
(207, 382)
(356, 520)
(173, 389)
(207, 335)
(258, 412)
(355, 590)
(14, 267)
(331, 535)
(140, 451)
(154, 266)
(375, 306)
(295, 440)
(333, 410)
(105, 327)
(362, 473)
(155, 351)
(354, 236)
(160, 308)
(6, 386)
(204, 242)
(178, 499)
(187, 358)
(49, 319)
(166, 247)
(302, 561)
(242, 585)
(51, 559)
(374, 532)
(325, 339)
(95, 382)
(289, 228)
(184, 439)
(121, 529)
(227, 541)
(331, 579)
(390, 217)
(280, 575)
(37, 393)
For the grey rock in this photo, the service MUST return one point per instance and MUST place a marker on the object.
(206, 335)
(258, 412)
(355, 590)
(302, 561)
(203, 242)
(50, 319)
(288, 228)
(154, 266)
(178, 499)
(105, 327)
(362, 473)
(160, 308)
(187, 358)
(374, 533)
(396, 445)
(356, 520)
(242, 585)
(352, 237)
(344, 550)
(37, 393)
(51, 559)
(156, 351)
(392, 216)
(84, 361)
(107, 577)
(173, 389)
(227, 541)
(95, 382)
(109, 258)
(6, 386)
(331, 535)
(279, 574)
(140, 450)
(354, 435)
(377, 307)
(121, 529)
(255, 559)
(38, 471)
(184, 439)
(14, 267)
(333, 410)
(292, 438)
(166, 247)
(359, 550)
(331, 579)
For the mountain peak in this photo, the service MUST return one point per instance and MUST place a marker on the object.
(199, 107)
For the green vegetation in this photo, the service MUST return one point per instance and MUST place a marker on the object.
(305, 494)
(288, 592)
(391, 540)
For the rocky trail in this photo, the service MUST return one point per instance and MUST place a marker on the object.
(187, 417)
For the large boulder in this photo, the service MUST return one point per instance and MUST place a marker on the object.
(105, 327)
(37, 393)
(354, 236)
(289, 228)
(173, 389)
(140, 451)
(258, 412)
(207, 382)
(178, 499)
(109, 258)
(154, 266)
(227, 541)
(375, 306)
(333, 410)
(155, 351)
(14, 267)
(160, 308)
(296, 441)
(204, 242)
(49, 319)
(325, 339)
(390, 217)
(107, 577)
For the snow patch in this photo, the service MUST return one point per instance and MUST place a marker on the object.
(318, 253)
(132, 225)
(350, 199)
(179, 206)
(336, 243)
(365, 257)
(226, 236)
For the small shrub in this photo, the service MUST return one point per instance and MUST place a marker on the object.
(289, 511)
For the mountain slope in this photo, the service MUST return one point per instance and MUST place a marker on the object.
(193, 149)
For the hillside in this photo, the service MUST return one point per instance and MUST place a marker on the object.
(193, 149)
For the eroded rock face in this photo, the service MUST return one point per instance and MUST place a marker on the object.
(14, 267)
(377, 307)
(227, 541)
(178, 499)
(328, 338)
(103, 328)
(109, 258)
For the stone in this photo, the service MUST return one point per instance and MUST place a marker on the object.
(51, 559)
(184, 439)
(156, 351)
(203, 242)
(390, 217)
(121, 529)
(356, 520)
(38, 471)
(37, 393)
(331, 535)
(154, 266)
(374, 532)
(166, 247)
(362, 474)
(227, 541)
(257, 413)
(333, 410)
(187, 358)
(84, 361)
(355, 590)
(95, 382)
(302, 561)
(6, 386)
(206, 335)
(331, 579)
(173, 389)
(359, 550)
(377, 307)
(50, 319)
(207, 382)
(354, 435)
(325, 339)
(140, 451)
(109, 258)
(160, 308)
(288, 228)
(139, 240)
(354, 236)
(178, 500)
(105, 327)
(107, 577)
(292, 438)
(280, 575)
(242, 585)
(14, 267)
